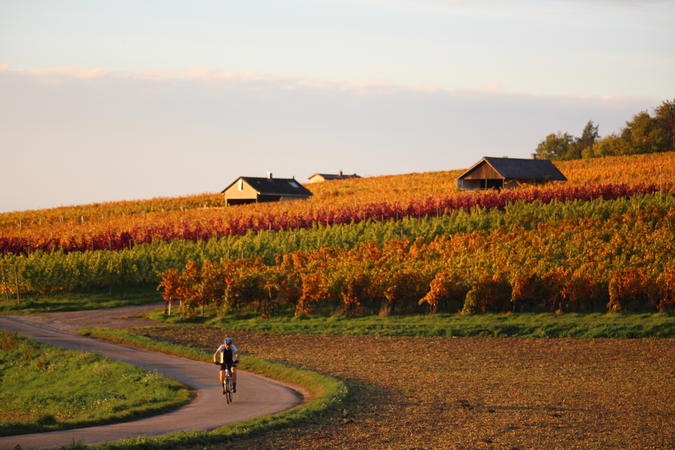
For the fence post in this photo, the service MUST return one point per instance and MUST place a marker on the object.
(16, 279)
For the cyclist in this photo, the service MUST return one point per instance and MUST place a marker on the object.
(229, 360)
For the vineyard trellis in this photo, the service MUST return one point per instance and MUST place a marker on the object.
(6, 286)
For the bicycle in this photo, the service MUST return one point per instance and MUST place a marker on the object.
(227, 386)
(228, 389)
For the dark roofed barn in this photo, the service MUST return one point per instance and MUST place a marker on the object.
(508, 173)
(246, 190)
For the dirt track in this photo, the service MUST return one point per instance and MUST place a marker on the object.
(116, 318)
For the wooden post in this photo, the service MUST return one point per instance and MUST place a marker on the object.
(4, 283)
(121, 279)
(110, 279)
(202, 293)
(16, 279)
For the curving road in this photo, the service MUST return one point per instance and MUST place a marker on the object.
(256, 395)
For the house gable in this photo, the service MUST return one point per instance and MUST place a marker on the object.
(508, 173)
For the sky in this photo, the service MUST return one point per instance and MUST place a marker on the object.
(106, 101)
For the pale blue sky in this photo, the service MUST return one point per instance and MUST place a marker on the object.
(133, 99)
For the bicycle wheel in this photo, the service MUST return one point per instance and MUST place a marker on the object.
(229, 390)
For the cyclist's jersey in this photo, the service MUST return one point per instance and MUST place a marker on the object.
(226, 356)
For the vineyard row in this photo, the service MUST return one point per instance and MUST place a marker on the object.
(202, 225)
(624, 263)
(44, 272)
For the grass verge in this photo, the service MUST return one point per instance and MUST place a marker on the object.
(47, 388)
(81, 299)
(326, 394)
(547, 325)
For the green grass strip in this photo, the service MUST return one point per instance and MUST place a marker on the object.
(537, 325)
(326, 393)
(82, 299)
(48, 388)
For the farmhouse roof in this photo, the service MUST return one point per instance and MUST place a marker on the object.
(287, 187)
(520, 169)
(329, 176)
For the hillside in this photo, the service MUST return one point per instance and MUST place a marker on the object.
(386, 223)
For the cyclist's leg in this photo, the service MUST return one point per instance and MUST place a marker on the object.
(234, 378)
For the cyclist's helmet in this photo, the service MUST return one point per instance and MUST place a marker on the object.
(228, 341)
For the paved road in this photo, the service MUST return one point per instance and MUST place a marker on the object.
(256, 396)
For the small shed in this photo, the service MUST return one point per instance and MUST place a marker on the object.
(508, 173)
(246, 190)
(319, 177)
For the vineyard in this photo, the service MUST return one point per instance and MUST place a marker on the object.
(400, 244)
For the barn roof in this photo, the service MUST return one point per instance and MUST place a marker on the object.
(274, 186)
(520, 169)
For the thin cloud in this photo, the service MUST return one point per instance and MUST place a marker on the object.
(212, 77)
(75, 72)
(495, 86)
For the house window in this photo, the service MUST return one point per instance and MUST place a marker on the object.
(241, 185)
(294, 184)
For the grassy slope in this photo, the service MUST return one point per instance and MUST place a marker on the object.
(82, 299)
(47, 388)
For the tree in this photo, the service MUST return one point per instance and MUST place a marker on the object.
(555, 146)
(643, 135)
(611, 145)
(665, 120)
(589, 136)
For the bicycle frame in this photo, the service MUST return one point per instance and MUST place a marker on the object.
(227, 385)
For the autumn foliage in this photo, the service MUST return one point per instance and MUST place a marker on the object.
(555, 254)
(624, 263)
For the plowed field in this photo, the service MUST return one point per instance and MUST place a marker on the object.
(471, 393)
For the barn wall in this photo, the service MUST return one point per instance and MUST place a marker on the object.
(482, 172)
(246, 193)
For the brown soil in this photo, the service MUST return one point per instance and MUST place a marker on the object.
(472, 393)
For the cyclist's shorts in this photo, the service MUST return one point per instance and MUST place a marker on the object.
(227, 365)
